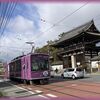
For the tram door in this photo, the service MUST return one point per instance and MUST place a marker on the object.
(24, 68)
(26, 74)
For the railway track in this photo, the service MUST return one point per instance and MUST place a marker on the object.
(86, 83)
(75, 89)
(67, 87)
(45, 88)
(67, 94)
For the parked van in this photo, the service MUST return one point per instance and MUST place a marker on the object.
(73, 73)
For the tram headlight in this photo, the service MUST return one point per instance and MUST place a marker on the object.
(45, 73)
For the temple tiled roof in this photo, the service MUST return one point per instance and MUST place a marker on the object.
(78, 30)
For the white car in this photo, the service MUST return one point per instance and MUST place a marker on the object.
(73, 73)
(52, 73)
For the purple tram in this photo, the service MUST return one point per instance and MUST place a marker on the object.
(30, 68)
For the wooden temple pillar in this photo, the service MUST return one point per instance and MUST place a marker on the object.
(73, 61)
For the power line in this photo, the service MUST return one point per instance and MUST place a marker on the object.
(6, 10)
(11, 47)
(8, 15)
(65, 17)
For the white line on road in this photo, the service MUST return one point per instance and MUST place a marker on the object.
(29, 88)
(74, 85)
(31, 92)
(20, 87)
(43, 96)
(38, 91)
(51, 95)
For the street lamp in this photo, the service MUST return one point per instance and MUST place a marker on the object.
(33, 46)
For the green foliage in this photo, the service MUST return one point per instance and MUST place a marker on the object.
(44, 49)
(48, 49)
(1, 94)
(61, 35)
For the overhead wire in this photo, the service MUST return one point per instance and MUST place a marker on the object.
(11, 9)
(62, 19)
(3, 12)
(6, 10)
(65, 17)
(5, 17)
(55, 24)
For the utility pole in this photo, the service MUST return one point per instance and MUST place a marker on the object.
(33, 46)
(22, 52)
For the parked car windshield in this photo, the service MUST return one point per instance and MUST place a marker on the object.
(79, 69)
(70, 70)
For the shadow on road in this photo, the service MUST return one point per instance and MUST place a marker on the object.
(4, 84)
(56, 79)
(60, 79)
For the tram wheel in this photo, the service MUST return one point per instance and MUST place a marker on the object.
(30, 82)
(41, 82)
(44, 81)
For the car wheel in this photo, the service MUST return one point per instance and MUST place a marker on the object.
(73, 77)
(52, 76)
(82, 77)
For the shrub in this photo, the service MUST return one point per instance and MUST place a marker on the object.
(1, 94)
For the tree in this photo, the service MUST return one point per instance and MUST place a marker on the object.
(48, 49)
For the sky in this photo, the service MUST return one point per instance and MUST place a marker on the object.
(41, 22)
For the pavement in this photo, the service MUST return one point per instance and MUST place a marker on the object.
(21, 91)
(10, 90)
(57, 87)
(96, 73)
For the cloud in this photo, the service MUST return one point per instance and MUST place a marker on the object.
(26, 24)
(18, 32)
(21, 24)
(52, 13)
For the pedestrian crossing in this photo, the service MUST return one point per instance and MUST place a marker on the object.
(46, 96)
(38, 93)
(51, 95)
(15, 91)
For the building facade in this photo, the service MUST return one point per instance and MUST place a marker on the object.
(79, 45)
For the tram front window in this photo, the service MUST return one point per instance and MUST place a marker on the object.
(39, 65)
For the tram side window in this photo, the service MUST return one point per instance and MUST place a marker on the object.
(11, 67)
(35, 66)
(18, 65)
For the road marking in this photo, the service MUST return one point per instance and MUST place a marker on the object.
(31, 92)
(51, 95)
(29, 88)
(38, 91)
(43, 96)
(1, 80)
(20, 87)
(4, 80)
(96, 82)
(74, 85)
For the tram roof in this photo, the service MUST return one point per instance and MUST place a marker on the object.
(19, 57)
